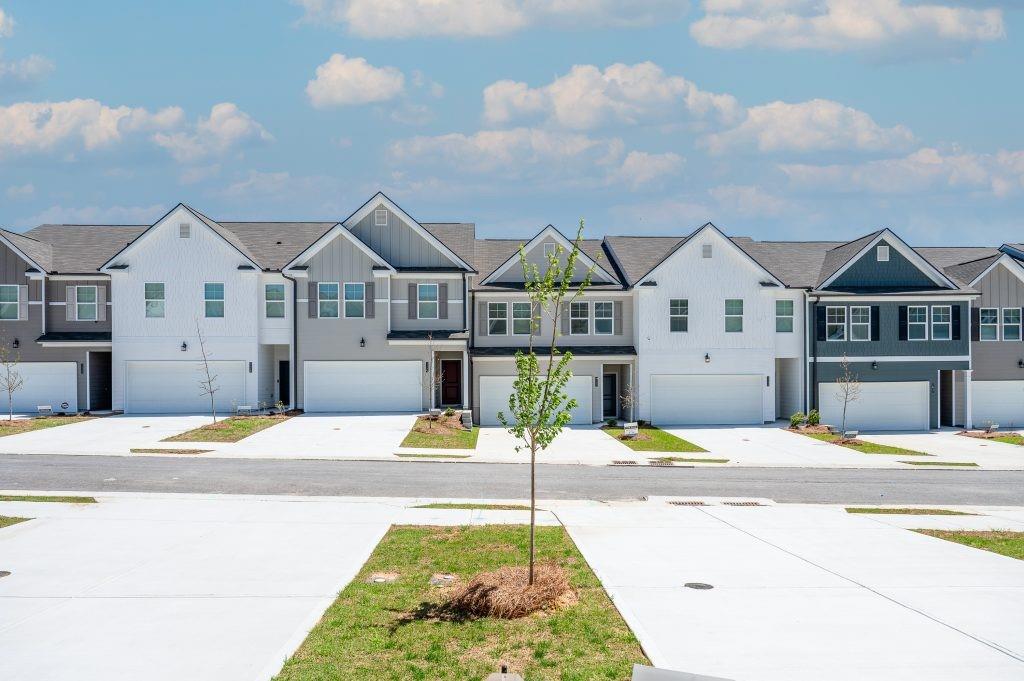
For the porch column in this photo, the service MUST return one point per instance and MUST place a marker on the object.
(968, 399)
(465, 379)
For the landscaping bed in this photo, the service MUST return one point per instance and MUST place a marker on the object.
(9, 427)
(403, 629)
(652, 439)
(444, 431)
(996, 436)
(1006, 543)
(862, 446)
(231, 429)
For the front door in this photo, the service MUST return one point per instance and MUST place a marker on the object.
(284, 381)
(611, 396)
(99, 381)
(451, 382)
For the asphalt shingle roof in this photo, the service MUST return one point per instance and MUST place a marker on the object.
(460, 237)
(274, 244)
(81, 249)
(638, 255)
(41, 253)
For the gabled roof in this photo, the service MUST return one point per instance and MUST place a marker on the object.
(460, 237)
(275, 244)
(36, 253)
(587, 259)
(635, 256)
(840, 256)
(839, 259)
(979, 269)
(337, 230)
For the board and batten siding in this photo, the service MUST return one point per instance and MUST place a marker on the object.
(398, 243)
(997, 360)
(867, 272)
(535, 257)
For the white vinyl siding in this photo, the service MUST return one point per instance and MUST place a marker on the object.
(733, 315)
(327, 294)
(355, 300)
(154, 295)
(213, 300)
(9, 302)
(274, 299)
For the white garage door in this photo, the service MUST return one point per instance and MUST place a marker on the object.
(45, 383)
(999, 402)
(363, 386)
(880, 406)
(494, 392)
(173, 387)
(713, 399)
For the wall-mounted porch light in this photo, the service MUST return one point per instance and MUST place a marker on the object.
(184, 346)
(707, 358)
(16, 344)
(874, 365)
(1020, 362)
(362, 342)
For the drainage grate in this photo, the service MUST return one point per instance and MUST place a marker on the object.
(624, 463)
(660, 463)
(741, 503)
(700, 586)
(687, 503)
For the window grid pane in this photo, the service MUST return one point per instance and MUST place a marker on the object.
(835, 323)
(733, 316)
(497, 319)
(8, 294)
(917, 323)
(521, 318)
(784, 316)
(328, 300)
(1011, 324)
(989, 330)
(679, 315)
(579, 319)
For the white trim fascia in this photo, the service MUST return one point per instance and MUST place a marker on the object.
(78, 277)
(909, 358)
(552, 231)
(923, 300)
(297, 274)
(544, 358)
(405, 301)
(599, 294)
(326, 238)
(1010, 263)
(445, 342)
(427, 275)
(21, 254)
(905, 250)
(690, 239)
(76, 344)
(379, 198)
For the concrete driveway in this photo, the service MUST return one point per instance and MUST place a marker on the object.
(106, 435)
(173, 587)
(946, 445)
(804, 593)
(347, 436)
(575, 444)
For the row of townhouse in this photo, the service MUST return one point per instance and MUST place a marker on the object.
(364, 315)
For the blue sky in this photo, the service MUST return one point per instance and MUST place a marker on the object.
(781, 119)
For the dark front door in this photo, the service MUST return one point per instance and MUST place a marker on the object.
(284, 381)
(99, 381)
(451, 382)
(611, 396)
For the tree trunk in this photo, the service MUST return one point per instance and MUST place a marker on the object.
(533, 506)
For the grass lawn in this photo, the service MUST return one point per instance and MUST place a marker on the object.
(231, 429)
(16, 426)
(475, 507)
(653, 439)
(907, 511)
(1011, 439)
(865, 447)
(413, 455)
(143, 450)
(444, 438)
(1007, 543)
(389, 631)
(58, 500)
(7, 521)
(685, 459)
(940, 463)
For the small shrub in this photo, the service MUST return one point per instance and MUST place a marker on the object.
(449, 412)
(796, 419)
(611, 422)
(813, 417)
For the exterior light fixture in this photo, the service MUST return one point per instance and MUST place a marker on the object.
(16, 344)
(1020, 362)
(874, 365)
(184, 346)
(707, 358)
(362, 342)
(250, 367)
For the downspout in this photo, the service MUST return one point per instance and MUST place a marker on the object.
(42, 295)
(814, 357)
(293, 389)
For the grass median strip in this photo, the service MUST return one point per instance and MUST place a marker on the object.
(477, 507)
(7, 520)
(441, 434)
(685, 459)
(398, 630)
(962, 464)
(169, 451)
(48, 499)
(231, 429)
(9, 427)
(906, 511)
(1006, 543)
(863, 446)
(652, 439)
(418, 455)
(1011, 439)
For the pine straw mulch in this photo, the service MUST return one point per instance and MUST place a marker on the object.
(982, 435)
(506, 594)
(439, 425)
(811, 429)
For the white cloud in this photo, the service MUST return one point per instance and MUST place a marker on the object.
(749, 201)
(816, 125)
(588, 97)
(6, 24)
(226, 128)
(275, 186)
(96, 215)
(846, 25)
(926, 170)
(25, 71)
(473, 18)
(347, 81)
(640, 168)
(674, 216)
(21, 191)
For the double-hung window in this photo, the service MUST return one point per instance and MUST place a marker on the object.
(327, 300)
(85, 303)
(860, 323)
(988, 326)
(1011, 324)
(579, 319)
(942, 328)
(604, 319)
(679, 315)
(155, 300)
(783, 316)
(835, 323)
(497, 319)
(733, 315)
(522, 319)
(355, 300)
(917, 322)
(274, 299)
(213, 300)
(426, 301)
(9, 301)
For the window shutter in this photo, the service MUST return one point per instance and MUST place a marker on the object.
(370, 303)
(819, 323)
(903, 322)
(442, 301)
(481, 318)
(975, 323)
(565, 319)
(313, 308)
(617, 313)
(876, 323)
(23, 302)
(101, 303)
(955, 325)
(537, 324)
(69, 303)
(412, 301)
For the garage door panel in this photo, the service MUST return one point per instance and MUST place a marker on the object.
(706, 399)
(352, 386)
(45, 383)
(173, 387)
(495, 390)
(880, 406)
(999, 402)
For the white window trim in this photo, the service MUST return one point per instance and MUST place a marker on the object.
(926, 323)
(95, 303)
(490, 318)
(529, 306)
(146, 299)
(846, 335)
(1003, 324)
(881, 250)
(685, 316)
(727, 316)
(337, 300)
(222, 299)
(343, 308)
(791, 316)
(612, 318)
(267, 301)
(586, 304)
(16, 303)
(853, 323)
(420, 301)
(377, 212)
(932, 322)
(998, 324)
(550, 248)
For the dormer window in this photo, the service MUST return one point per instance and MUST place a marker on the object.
(184, 230)
(706, 250)
(380, 217)
(883, 253)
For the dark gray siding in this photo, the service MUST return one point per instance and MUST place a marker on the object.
(867, 273)
(56, 315)
(398, 243)
(888, 344)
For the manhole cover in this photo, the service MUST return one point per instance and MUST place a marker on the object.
(687, 503)
(382, 578)
(5, 573)
(443, 579)
(700, 586)
(624, 463)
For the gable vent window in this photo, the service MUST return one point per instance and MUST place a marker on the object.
(380, 217)
(706, 250)
(883, 254)
(184, 230)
